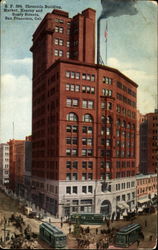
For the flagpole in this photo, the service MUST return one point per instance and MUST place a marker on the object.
(106, 45)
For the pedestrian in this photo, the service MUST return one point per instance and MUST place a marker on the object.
(138, 243)
(61, 224)
(145, 223)
(96, 230)
(151, 237)
(69, 230)
(97, 245)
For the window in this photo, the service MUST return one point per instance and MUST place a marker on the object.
(56, 52)
(87, 130)
(75, 164)
(92, 78)
(71, 117)
(87, 104)
(90, 176)
(68, 164)
(84, 164)
(68, 44)
(77, 75)
(107, 80)
(106, 92)
(74, 177)
(68, 176)
(74, 190)
(84, 189)
(72, 128)
(90, 164)
(68, 151)
(61, 42)
(87, 118)
(61, 30)
(74, 152)
(88, 89)
(90, 189)
(68, 190)
(68, 54)
(84, 176)
(87, 152)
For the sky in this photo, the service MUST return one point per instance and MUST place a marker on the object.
(131, 48)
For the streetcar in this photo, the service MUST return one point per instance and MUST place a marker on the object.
(127, 235)
(52, 235)
(87, 219)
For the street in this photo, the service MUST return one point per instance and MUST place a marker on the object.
(9, 206)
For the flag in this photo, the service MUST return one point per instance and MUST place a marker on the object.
(106, 31)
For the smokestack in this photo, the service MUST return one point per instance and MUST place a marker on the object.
(114, 8)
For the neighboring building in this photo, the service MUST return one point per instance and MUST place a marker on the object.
(83, 122)
(146, 189)
(14, 156)
(140, 119)
(4, 164)
(28, 164)
(149, 143)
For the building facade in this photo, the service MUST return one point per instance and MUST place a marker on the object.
(146, 189)
(83, 122)
(4, 164)
(149, 143)
(15, 161)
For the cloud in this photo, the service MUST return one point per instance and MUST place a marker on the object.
(146, 84)
(16, 96)
(25, 61)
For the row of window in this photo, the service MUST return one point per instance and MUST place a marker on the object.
(61, 53)
(74, 164)
(74, 176)
(75, 103)
(74, 189)
(74, 152)
(76, 88)
(74, 141)
(124, 88)
(126, 100)
(125, 174)
(125, 111)
(129, 196)
(76, 75)
(125, 164)
(107, 80)
(59, 29)
(125, 185)
(74, 117)
(74, 129)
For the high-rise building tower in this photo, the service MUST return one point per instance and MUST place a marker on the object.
(149, 143)
(83, 122)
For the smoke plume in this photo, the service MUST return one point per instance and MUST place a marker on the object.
(118, 8)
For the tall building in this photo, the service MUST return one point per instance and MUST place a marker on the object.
(149, 143)
(4, 164)
(83, 122)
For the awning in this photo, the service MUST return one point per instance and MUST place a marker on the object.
(122, 204)
(143, 200)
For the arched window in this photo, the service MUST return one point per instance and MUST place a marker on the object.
(71, 117)
(87, 118)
